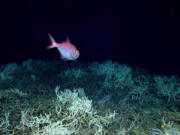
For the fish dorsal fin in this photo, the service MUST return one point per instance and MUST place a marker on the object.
(67, 40)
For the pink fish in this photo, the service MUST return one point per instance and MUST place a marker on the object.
(66, 49)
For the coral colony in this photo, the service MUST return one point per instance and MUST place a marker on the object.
(52, 98)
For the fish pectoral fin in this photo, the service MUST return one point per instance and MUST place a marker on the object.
(63, 58)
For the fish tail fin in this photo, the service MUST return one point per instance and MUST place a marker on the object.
(53, 42)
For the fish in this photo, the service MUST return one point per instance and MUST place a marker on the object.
(67, 50)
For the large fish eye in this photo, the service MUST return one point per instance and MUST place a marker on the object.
(77, 52)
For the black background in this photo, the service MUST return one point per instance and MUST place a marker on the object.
(140, 33)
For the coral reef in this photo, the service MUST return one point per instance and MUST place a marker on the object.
(94, 99)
